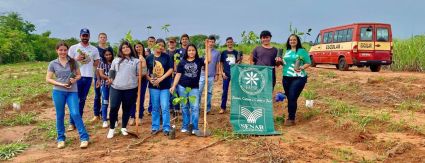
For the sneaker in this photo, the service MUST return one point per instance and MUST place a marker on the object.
(110, 133)
(105, 124)
(131, 122)
(289, 123)
(124, 131)
(95, 118)
(61, 144)
(222, 111)
(71, 128)
(84, 144)
(183, 130)
(194, 132)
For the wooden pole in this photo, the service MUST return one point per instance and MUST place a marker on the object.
(138, 95)
(207, 51)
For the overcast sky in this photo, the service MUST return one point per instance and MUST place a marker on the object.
(65, 18)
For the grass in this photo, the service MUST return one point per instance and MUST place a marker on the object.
(224, 134)
(409, 54)
(344, 154)
(311, 113)
(410, 105)
(8, 151)
(22, 81)
(48, 129)
(309, 94)
(19, 119)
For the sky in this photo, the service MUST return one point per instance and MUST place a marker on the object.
(65, 18)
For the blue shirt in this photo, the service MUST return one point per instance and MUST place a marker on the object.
(215, 57)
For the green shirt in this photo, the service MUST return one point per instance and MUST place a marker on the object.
(290, 58)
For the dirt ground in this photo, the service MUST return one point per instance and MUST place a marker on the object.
(317, 136)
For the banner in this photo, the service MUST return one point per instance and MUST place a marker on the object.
(252, 100)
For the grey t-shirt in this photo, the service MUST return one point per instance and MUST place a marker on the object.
(215, 57)
(62, 75)
(264, 56)
(126, 73)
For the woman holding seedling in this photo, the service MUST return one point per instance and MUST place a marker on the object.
(103, 68)
(187, 82)
(64, 92)
(139, 49)
(160, 67)
(123, 79)
(295, 61)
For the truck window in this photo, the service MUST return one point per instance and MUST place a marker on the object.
(318, 40)
(349, 35)
(366, 34)
(382, 34)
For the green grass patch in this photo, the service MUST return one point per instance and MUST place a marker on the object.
(344, 154)
(311, 113)
(48, 129)
(22, 81)
(410, 105)
(8, 151)
(19, 119)
(408, 54)
(224, 134)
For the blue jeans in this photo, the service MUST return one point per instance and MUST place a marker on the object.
(128, 100)
(83, 90)
(293, 87)
(160, 100)
(210, 89)
(105, 102)
(60, 98)
(226, 83)
(96, 101)
(142, 92)
(189, 115)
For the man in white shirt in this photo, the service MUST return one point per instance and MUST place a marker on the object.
(88, 59)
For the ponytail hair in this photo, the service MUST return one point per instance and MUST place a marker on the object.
(72, 63)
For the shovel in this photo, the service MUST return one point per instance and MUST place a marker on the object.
(136, 134)
(205, 132)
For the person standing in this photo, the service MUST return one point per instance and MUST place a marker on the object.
(65, 88)
(266, 54)
(228, 57)
(101, 47)
(87, 57)
(296, 60)
(160, 68)
(124, 81)
(188, 75)
(212, 75)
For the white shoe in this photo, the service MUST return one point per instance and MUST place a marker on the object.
(110, 133)
(124, 131)
(105, 124)
(183, 130)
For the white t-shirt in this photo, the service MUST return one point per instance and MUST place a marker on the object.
(86, 65)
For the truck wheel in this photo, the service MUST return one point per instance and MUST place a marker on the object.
(375, 68)
(342, 64)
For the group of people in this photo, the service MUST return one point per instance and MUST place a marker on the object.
(165, 72)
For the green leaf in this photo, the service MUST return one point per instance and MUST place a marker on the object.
(188, 89)
(192, 99)
(175, 94)
(176, 101)
(185, 101)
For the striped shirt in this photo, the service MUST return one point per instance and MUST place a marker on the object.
(105, 67)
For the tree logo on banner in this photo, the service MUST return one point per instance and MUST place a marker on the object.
(251, 117)
(252, 81)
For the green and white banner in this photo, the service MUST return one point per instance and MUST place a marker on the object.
(252, 100)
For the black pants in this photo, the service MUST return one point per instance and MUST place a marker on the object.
(293, 87)
(128, 100)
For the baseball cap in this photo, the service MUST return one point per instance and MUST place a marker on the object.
(84, 31)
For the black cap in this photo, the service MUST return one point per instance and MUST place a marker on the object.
(84, 31)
